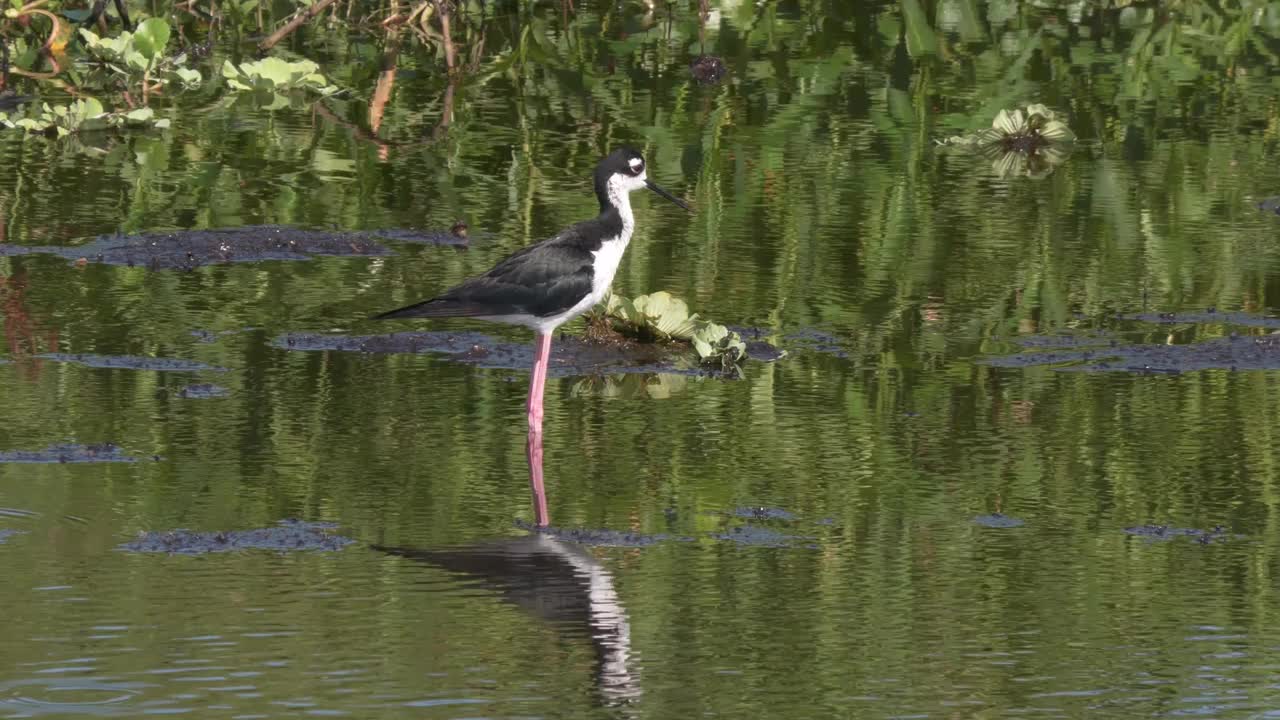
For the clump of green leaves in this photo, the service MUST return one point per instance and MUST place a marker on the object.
(138, 57)
(275, 75)
(1031, 142)
(80, 115)
(660, 316)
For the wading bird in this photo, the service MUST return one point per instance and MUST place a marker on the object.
(549, 283)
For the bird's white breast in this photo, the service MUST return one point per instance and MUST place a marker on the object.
(605, 266)
(609, 256)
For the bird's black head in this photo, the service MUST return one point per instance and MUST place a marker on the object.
(622, 171)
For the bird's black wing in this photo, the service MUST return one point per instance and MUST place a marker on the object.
(540, 280)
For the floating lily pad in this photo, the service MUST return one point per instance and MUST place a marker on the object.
(68, 453)
(189, 249)
(203, 391)
(287, 536)
(570, 356)
(999, 521)
(133, 362)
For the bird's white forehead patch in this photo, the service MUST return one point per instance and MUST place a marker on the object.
(635, 163)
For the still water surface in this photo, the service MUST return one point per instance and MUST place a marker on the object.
(891, 269)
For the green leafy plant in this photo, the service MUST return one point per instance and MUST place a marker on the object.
(277, 76)
(138, 57)
(659, 316)
(81, 115)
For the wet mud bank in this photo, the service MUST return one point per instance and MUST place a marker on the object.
(190, 249)
(570, 356)
(1102, 351)
(69, 453)
(1217, 534)
(286, 536)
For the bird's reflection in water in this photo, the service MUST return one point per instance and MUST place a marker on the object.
(560, 583)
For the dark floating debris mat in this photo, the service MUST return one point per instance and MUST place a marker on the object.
(286, 536)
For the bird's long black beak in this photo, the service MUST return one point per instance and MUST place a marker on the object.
(654, 187)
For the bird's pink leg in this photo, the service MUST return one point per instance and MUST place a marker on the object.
(541, 359)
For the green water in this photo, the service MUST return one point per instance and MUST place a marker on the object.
(824, 204)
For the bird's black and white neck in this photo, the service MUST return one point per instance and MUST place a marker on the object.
(551, 282)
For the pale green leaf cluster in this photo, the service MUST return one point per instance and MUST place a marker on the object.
(664, 317)
(1030, 142)
(83, 114)
(141, 54)
(273, 74)
(1037, 119)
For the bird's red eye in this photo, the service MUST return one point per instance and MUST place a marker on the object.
(637, 167)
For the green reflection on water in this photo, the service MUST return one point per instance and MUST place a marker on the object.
(822, 203)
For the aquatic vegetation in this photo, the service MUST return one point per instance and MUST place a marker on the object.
(659, 316)
(139, 58)
(1031, 142)
(85, 114)
(275, 75)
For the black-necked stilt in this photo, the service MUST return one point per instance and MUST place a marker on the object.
(551, 282)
